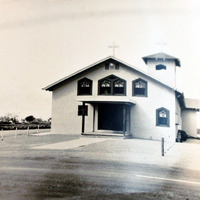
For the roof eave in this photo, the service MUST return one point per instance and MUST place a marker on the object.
(177, 61)
(181, 99)
(51, 86)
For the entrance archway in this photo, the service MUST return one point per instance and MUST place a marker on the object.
(110, 117)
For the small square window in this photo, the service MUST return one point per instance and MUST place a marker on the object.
(82, 111)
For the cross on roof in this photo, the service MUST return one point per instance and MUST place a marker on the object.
(113, 46)
(161, 44)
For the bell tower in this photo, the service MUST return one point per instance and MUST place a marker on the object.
(163, 67)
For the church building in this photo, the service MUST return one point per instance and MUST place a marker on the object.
(113, 97)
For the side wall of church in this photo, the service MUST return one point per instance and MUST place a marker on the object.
(143, 115)
(64, 110)
(190, 122)
(178, 116)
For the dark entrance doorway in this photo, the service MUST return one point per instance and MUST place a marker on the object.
(110, 117)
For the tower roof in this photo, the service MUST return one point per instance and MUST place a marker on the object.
(162, 56)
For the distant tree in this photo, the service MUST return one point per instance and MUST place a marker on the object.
(37, 121)
(29, 118)
(11, 117)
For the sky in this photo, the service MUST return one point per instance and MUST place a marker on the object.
(42, 41)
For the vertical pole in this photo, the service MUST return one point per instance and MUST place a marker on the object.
(124, 119)
(16, 133)
(2, 134)
(94, 107)
(162, 147)
(83, 119)
(28, 131)
(127, 120)
(38, 128)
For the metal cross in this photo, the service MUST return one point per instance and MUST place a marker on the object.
(113, 47)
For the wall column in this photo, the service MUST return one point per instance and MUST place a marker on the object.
(124, 119)
(94, 110)
(83, 119)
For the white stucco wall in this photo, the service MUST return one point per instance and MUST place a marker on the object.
(189, 118)
(63, 110)
(178, 117)
(143, 115)
(168, 76)
(65, 103)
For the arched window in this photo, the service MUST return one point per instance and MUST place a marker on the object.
(119, 87)
(105, 87)
(160, 67)
(112, 85)
(162, 117)
(140, 87)
(85, 86)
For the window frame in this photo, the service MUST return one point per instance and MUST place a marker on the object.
(158, 123)
(133, 88)
(79, 86)
(112, 79)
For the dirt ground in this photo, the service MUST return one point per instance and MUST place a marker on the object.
(27, 173)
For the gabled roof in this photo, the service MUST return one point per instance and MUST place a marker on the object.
(193, 104)
(162, 56)
(186, 103)
(110, 58)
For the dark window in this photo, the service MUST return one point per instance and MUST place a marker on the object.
(117, 66)
(160, 67)
(140, 88)
(107, 66)
(85, 87)
(162, 117)
(105, 87)
(112, 85)
(82, 111)
(119, 87)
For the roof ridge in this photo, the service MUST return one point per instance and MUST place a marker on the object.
(100, 61)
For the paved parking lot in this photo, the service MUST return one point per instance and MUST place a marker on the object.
(50, 166)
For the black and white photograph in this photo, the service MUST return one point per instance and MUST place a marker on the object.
(100, 100)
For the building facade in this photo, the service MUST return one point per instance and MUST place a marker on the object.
(113, 97)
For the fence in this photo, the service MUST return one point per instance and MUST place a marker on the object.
(25, 129)
(7, 126)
